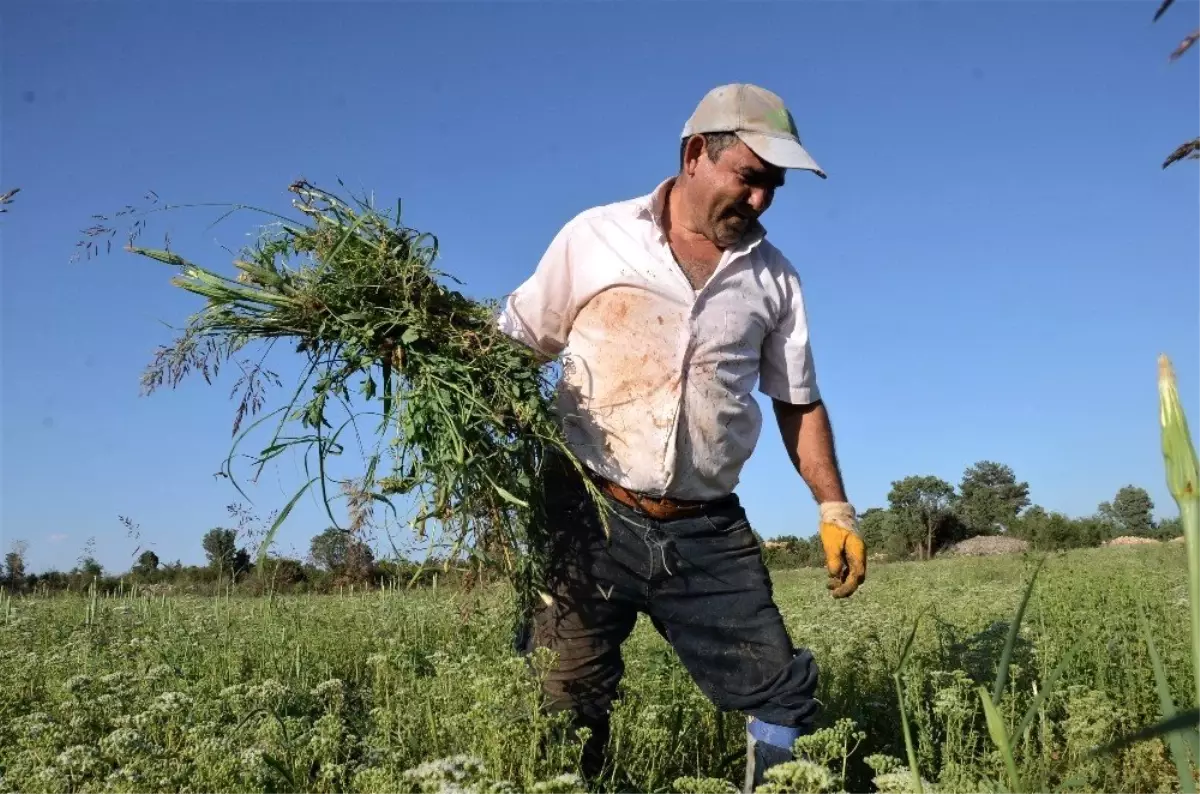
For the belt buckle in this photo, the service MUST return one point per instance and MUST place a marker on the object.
(665, 508)
(660, 508)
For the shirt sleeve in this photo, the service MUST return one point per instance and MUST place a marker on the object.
(788, 373)
(539, 313)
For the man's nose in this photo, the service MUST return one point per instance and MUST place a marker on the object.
(760, 199)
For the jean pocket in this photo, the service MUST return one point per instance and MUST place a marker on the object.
(727, 522)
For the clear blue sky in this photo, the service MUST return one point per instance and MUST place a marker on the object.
(991, 269)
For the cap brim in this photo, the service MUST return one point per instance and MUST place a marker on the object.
(781, 152)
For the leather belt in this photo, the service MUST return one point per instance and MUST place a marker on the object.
(660, 508)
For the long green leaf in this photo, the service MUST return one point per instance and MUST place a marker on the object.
(999, 734)
(276, 449)
(1179, 749)
(1011, 641)
(270, 536)
(332, 255)
(1050, 684)
(381, 498)
(321, 470)
(166, 257)
(227, 467)
(1179, 723)
(909, 747)
(278, 766)
(908, 644)
(287, 409)
(507, 495)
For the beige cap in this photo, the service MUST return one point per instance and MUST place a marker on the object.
(759, 118)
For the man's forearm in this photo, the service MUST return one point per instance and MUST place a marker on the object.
(808, 436)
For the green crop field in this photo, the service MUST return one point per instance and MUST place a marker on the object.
(418, 690)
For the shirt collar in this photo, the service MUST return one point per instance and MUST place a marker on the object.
(651, 207)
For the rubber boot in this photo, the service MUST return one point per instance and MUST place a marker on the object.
(766, 746)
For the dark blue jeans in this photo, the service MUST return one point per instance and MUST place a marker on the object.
(702, 582)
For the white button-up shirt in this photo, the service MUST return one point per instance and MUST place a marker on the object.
(655, 392)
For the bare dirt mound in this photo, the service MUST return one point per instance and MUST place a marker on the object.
(987, 546)
(1129, 540)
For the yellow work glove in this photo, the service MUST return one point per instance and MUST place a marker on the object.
(845, 552)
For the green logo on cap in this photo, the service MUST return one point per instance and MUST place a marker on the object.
(781, 120)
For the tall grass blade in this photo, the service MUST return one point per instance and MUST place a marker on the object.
(1011, 641)
(908, 643)
(1179, 749)
(508, 496)
(1049, 684)
(269, 538)
(1180, 723)
(999, 734)
(227, 466)
(909, 747)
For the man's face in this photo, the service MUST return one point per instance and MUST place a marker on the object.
(731, 193)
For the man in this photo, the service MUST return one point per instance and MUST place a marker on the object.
(667, 309)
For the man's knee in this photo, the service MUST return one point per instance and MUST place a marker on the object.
(586, 687)
(790, 699)
(580, 664)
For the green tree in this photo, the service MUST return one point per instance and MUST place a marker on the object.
(338, 551)
(90, 568)
(14, 564)
(990, 498)
(873, 526)
(224, 556)
(1169, 528)
(920, 507)
(147, 563)
(1050, 531)
(788, 551)
(1130, 512)
(283, 571)
(220, 548)
(882, 532)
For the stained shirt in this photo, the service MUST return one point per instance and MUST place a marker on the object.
(656, 391)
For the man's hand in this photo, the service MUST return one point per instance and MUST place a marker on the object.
(808, 438)
(845, 552)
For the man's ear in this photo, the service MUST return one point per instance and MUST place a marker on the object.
(692, 152)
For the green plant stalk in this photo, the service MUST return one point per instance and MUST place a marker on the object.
(1190, 513)
(908, 742)
(1179, 457)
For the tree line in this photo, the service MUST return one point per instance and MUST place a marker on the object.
(925, 515)
(337, 559)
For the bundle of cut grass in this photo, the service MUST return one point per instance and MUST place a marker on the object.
(466, 411)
